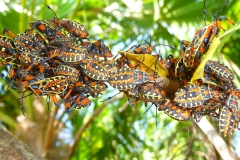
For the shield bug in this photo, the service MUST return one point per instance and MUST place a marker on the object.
(193, 96)
(127, 78)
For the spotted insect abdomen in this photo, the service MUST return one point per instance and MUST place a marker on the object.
(46, 86)
(71, 73)
(70, 55)
(177, 112)
(95, 69)
(220, 71)
(193, 96)
(122, 79)
(150, 92)
(228, 122)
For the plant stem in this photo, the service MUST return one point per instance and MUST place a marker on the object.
(84, 127)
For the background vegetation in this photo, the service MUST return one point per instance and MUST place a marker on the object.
(114, 130)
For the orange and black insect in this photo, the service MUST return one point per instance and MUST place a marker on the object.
(74, 28)
(176, 112)
(127, 78)
(221, 72)
(228, 121)
(209, 107)
(203, 38)
(45, 28)
(75, 101)
(8, 51)
(181, 72)
(232, 100)
(143, 48)
(96, 69)
(27, 41)
(90, 86)
(169, 63)
(49, 86)
(69, 54)
(31, 59)
(96, 87)
(151, 92)
(72, 77)
(98, 49)
(7, 47)
(71, 73)
(192, 96)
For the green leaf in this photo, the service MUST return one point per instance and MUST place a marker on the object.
(8, 120)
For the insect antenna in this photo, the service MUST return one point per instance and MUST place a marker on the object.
(206, 11)
(156, 117)
(110, 97)
(48, 101)
(50, 9)
(221, 8)
(148, 109)
(24, 96)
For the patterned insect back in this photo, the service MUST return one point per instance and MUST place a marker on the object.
(221, 72)
(75, 100)
(193, 96)
(27, 42)
(48, 31)
(209, 107)
(70, 54)
(96, 69)
(71, 73)
(7, 47)
(176, 112)
(151, 92)
(98, 49)
(127, 78)
(228, 122)
(53, 85)
(74, 28)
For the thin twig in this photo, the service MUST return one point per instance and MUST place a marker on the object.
(190, 144)
(59, 120)
(84, 127)
(123, 107)
(49, 131)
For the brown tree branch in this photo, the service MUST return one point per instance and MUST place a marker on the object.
(216, 139)
(11, 148)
